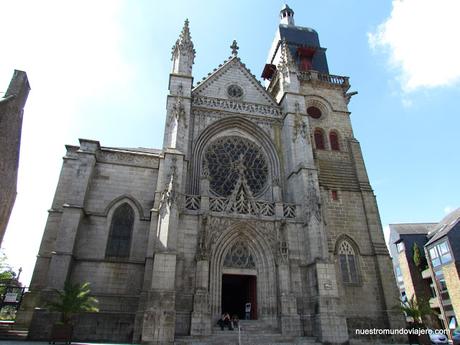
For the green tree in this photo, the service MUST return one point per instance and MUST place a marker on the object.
(418, 257)
(75, 298)
(6, 272)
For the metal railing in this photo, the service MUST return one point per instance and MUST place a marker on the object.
(324, 78)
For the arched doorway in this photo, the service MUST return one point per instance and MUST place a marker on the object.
(239, 290)
(243, 270)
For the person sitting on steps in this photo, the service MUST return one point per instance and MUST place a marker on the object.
(225, 322)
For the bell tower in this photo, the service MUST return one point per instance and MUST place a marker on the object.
(326, 175)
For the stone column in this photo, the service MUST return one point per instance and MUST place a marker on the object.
(330, 323)
(289, 318)
(201, 315)
(158, 322)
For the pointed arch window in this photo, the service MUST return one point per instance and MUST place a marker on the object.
(348, 263)
(334, 141)
(120, 234)
(319, 139)
(239, 256)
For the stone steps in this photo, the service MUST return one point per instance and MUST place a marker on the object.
(253, 339)
(10, 332)
(253, 332)
(251, 326)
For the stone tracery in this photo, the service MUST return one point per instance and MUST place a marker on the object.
(239, 256)
(229, 158)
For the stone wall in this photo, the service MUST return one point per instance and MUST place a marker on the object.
(11, 114)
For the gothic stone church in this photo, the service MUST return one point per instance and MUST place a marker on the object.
(259, 195)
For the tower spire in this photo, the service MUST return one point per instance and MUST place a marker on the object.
(183, 53)
(287, 15)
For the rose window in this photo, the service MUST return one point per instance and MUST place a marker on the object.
(239, 256)
(234, 91)
(229, 158)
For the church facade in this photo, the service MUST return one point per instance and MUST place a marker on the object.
(259, 195)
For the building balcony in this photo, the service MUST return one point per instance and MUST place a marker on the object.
(434, 302)
(426, 274)
(326, 79)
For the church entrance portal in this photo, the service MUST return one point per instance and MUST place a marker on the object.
(237, 290)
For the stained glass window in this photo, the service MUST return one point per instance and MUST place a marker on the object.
(119, 242)
(229, 157)
(347, 261)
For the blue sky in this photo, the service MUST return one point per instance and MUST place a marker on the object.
(99, 70)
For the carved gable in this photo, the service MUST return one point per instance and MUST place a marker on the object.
(233, 88)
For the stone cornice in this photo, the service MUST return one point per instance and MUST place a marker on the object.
(139, 160)
(236, 106)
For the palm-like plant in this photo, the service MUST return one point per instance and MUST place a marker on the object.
(73, 299)
(416, 309)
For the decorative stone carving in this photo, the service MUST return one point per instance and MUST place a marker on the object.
(216, 226)
(178, 110)
(129, 158)
(203, 252)
(270, 233)
(169, 195)
(205, 117)
(312, 204)
(205, 169)
(287, 63)
(233, 105)
(184, 43)
(283, 248)
(300, 127)
(234, 48)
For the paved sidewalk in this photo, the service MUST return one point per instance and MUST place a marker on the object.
(28, 342)
(23, 342)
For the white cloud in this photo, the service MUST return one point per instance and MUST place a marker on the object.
(421, 37)
(71, 52)
(448, 209)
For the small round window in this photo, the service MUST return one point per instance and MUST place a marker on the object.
(234, 91)
(314, 112)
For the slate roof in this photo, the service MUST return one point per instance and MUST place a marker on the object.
(298, 36)
(413, 228)
(444, 226)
